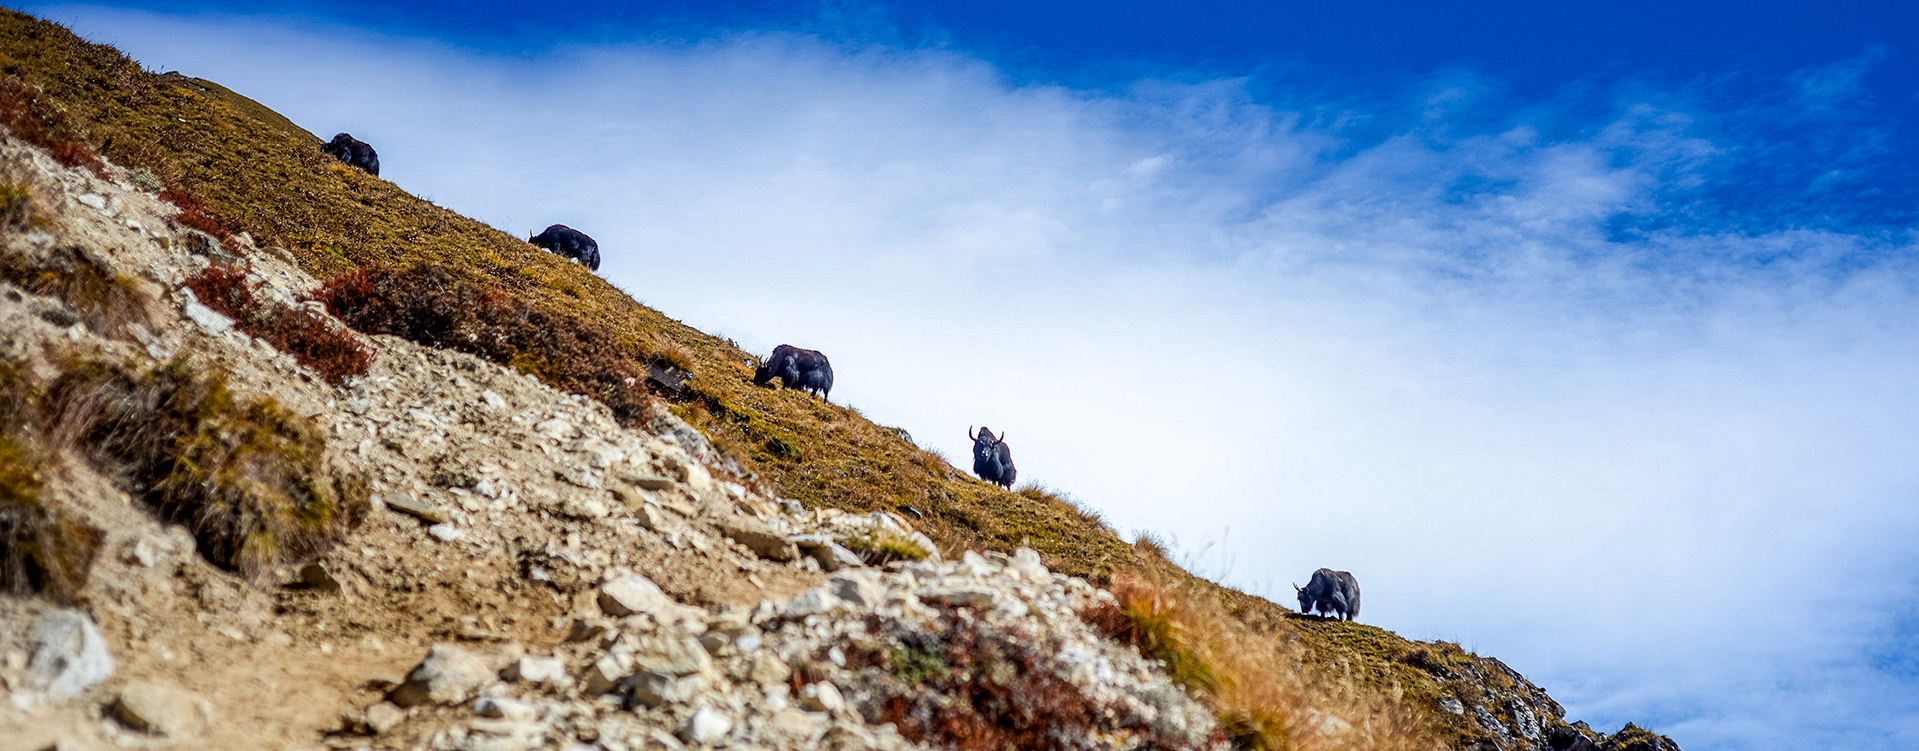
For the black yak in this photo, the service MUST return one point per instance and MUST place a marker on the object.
(354, 152)
(569, 242)
(992, 459)
(1330, 591)
(797, 368)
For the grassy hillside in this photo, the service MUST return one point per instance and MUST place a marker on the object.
(235, 166)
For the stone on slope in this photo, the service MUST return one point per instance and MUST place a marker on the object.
(162, 710)
(536, 670)
(631, 594)
(69, 654)
(706, 726)
(761, 540)
(448, 675)
(407, 504)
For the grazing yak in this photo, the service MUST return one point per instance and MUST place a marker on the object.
(992, 460)
(569, 242)
(354, 152)
(797, 368)
(1330, 591)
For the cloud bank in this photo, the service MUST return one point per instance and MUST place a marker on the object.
(1662, 463)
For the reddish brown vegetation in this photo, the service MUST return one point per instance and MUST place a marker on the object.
(195, 214)
(333, 353)
(40, 122)
(430, 306)
(973, 686)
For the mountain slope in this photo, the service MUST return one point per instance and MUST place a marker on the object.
(233, 167)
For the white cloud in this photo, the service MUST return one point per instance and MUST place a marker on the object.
(1670, 479)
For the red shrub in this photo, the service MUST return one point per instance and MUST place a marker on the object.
(429, 306)
(39, 122)
(195, 214)
(333, 353)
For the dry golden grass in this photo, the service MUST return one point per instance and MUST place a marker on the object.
(1268, 691)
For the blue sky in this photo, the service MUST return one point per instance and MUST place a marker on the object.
(1583, 336)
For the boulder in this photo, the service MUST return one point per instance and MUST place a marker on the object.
(69, 654)
(448, 675)
(382, 717)
(654, 688)
(162, 710)
(680, 656)
(822, 697)
(706, 726)
(761, 540)
(632, 594)
(536, 670)
(405, 503)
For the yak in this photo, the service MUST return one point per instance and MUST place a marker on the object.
(1330, 591)
(354, 152)
(803, 369)
(569, 242)
(992, 459)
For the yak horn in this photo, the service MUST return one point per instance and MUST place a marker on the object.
(1297, 588)
(969, 433)
(1002, 438)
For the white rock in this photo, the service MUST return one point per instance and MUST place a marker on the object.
(69, 654)
(445, 532)
(92, 200)
(212, 320)
(653, 688)
(810, 602)
(536, 670)
(631, 594)
(382, 717)
(1026, 562)
(554, 428)
(678, 656)
(706, 726)
(502, 708)
(822, 697)
(492, 399)
(859, 587)
(448, 675)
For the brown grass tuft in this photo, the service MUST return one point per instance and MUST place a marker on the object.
(42, 550)
(16, 206)
(672, 353)
(247, 476)
(314, 342)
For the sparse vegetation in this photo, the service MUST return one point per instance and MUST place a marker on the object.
(196, 215)
(249, 478)
(1269, 692)
(432, 307)
(108, 302)
(16, 206)
(969, 687)
(42, 549)
(333, 353)
(880, 546)
(41, 122)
